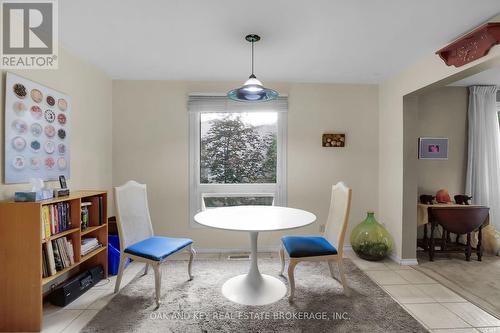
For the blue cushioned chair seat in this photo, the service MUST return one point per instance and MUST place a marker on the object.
(157, 248)
(307, 246)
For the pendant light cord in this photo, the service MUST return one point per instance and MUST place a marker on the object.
(252, 59)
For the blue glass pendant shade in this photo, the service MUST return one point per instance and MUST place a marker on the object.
(252, 91)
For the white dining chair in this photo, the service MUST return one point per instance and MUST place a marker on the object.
(137, 240)
(328, 248)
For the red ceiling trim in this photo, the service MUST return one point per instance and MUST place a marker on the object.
(471, 46)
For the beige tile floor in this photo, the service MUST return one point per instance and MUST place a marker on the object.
(439, 309)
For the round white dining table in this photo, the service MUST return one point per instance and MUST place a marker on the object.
(254, 288)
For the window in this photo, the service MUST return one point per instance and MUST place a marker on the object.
(237, 153)
(498, 106)
(498, 109)
(498, 112)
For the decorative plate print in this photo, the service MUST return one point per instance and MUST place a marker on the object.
(35, 146)
(51, 101)
(35, 163)
(50, 116)
(36, 95)
(36, 129)
(19, 126)
(61, 149)
(62, 104)
(61, 118)
(50, 131)
(18, 162)
(18, 143)
(61, 163)
(20, 90)
(49, 163)
(61, 133)
(19, 108)
(36, 112)
(49, 147)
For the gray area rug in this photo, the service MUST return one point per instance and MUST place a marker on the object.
(198, 305)
(476, 281)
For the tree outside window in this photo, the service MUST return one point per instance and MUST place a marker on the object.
(238, 148)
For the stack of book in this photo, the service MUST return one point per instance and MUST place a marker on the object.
(101, 210)
(89, 245)
(55, 219)
(57, 255)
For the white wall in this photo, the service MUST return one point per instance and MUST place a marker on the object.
(443, 113)
(150, 145)
(90, 91)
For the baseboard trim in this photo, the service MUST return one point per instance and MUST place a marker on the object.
(271, 248)
(403, 262)
(268, 248)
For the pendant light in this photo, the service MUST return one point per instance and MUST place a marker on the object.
(252, 90)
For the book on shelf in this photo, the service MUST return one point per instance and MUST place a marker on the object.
(101, 210)
(50, 258)
(88, 245)
(45, 270)
(69, 245)
(63, 252)
(59, 255)
(84, 215)
(56, 218)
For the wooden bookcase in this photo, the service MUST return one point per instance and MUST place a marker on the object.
(21, 281)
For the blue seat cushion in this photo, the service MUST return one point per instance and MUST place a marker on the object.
(157, 248)
(307, 246)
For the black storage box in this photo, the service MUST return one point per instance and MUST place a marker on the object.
(76, 286)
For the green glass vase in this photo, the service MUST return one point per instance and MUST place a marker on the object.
(370, 240)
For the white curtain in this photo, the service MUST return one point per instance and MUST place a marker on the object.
(483, 166)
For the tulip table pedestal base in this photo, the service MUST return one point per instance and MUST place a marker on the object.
(254, 288)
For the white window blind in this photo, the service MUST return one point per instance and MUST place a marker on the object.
(205, 103)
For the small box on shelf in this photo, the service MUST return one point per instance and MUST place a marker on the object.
(33, 196)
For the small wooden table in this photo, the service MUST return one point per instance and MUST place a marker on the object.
(423, 219)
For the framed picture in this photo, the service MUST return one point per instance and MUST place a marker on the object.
(333, 140)
(37, 131)
(433, 148)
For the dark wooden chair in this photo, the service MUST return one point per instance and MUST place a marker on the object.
(460, 221)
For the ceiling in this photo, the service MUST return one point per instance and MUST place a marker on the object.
(335, 41)
(487, 77)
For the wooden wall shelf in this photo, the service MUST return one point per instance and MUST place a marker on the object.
(471, 46)
(21, 281)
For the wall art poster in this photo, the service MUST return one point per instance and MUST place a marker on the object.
(37, 131)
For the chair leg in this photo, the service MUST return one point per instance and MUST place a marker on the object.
(146, 269)
(121, 268)
(330, 266)
(282, 260)
(291, 279)
(156, 268)
(340, 264)
(190, 264)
